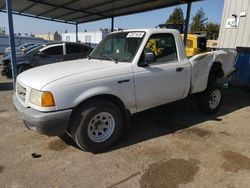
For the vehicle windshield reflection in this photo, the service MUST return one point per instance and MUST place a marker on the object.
(118, 47)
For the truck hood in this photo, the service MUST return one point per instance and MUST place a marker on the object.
(41, 76)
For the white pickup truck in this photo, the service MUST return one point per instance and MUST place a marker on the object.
(128, 72)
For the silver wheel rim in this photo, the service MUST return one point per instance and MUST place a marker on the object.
(214, 99)
(101, 127)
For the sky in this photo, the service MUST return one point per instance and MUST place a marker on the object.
(212, 8)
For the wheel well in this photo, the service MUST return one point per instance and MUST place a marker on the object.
(216, 70)
(126, 113)
(108, 97)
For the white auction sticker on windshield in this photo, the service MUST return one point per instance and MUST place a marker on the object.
(135, 35)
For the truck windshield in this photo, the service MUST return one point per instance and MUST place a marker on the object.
(118, 47)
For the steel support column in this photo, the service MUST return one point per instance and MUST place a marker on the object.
(76, 32)
(112, 24)
(187, 22)
(12, 41)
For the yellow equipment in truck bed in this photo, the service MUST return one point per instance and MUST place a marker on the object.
(196, 44)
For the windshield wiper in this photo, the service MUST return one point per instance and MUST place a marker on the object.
(111, 58)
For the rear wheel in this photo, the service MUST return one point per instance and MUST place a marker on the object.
(96, 125)
(210, 100)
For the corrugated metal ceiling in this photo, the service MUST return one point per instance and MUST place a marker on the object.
(81, 11)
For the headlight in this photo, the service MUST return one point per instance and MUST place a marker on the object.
(42, 98)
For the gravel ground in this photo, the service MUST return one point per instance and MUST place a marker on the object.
(170, 146)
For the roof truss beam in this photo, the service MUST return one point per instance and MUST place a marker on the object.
(98, 9)
(3, 6)
(27, 8)
(55, 8)
(41, 18)
(114, 9)
(90, 7)
(63, 7)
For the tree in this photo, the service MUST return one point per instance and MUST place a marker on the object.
(214, 29)
(198, 21)
(176, 17)
(57, 36)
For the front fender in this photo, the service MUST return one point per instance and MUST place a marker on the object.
(127, 100)
(92, 92)
(71, 95)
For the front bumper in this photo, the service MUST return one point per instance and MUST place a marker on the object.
(49, 123)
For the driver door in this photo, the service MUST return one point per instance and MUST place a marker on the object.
(163, 80)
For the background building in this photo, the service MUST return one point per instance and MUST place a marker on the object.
(90, 37)
(47, 36)
(235, 24)
(2, 31)
(50, 36)
(235, 34)
(4, 41)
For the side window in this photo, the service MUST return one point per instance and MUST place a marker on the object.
(189, 43)
(202, 43)
(55, 50)
(163, 46)
(73, 49)
(86, 49)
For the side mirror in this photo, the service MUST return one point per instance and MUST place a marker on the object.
(149, 57)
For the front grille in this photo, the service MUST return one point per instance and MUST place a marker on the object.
(21, 92)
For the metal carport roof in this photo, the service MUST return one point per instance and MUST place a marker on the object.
(82, 11)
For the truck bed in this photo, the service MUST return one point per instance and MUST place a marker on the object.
(202, 63)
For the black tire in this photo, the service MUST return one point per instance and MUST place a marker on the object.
(81, 123)
(9, 74)
(23, 68)
(205, 99)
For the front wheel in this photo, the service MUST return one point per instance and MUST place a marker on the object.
(210, 100)
(97, 125)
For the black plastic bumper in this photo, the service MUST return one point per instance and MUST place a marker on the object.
(49, 123)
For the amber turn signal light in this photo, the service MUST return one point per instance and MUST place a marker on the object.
(47, 99)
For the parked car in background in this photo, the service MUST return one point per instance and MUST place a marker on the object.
(20, 48)
(22, 52)
(44, 54)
